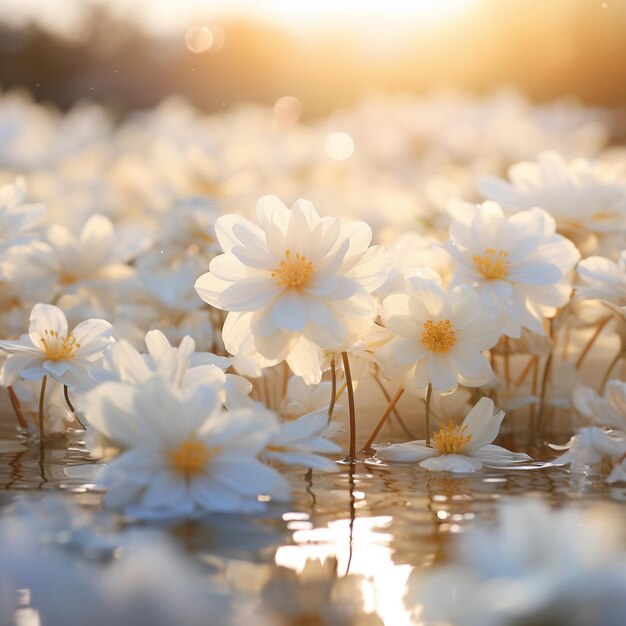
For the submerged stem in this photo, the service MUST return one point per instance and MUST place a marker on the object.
(350, 388)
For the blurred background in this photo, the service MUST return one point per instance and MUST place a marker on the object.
(325, 53)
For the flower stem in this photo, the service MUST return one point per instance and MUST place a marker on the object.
(612, 365)
(591, 341)
(66, 393)
(42, 445)
(15, 403)
(67, 398)
(544, 384)
(333, 389)
(346, 368)
(42, 395)
(429, 394)
(381, 422)
(409, 434)
(507, 369)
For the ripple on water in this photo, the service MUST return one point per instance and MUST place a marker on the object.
(368, 519)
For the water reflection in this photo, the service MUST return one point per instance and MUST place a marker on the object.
(358, 533)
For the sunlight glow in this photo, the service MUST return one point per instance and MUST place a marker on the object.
(363, 550)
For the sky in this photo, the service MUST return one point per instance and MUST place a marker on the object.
(169, 16)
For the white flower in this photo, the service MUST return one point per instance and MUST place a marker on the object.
(439, 338)
(518, 263)
(49, 349)
(302, 398)
(299, 442)
(181, 366)
(608, 410)
(604, 280)
(581, 195)
(294, 282)
(181, 454)
(17, 220)
(98, 253)
(592, 451)
(618, 473)
(537, 566)
(56, 409)
(459, 449)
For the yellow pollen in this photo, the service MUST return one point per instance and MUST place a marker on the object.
(190, 458)
(293, 271)
(438, 336)
(58, 348)
(493, 265)
(451, 439)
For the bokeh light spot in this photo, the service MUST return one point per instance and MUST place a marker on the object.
(339, 146)
(287, 110)
(199, 39)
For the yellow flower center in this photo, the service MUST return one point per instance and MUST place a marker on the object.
(451, 439)
(58, 348)
(493, 265)
(438, 336)
(293, 271)
(190, 458)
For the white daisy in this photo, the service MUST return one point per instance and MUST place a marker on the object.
(50, 349)
(592, 450)
(537, 565)
(98, 253)
(458, 449)
(518, 263)
(582, 196)
(439, 338)
(607, 410)
(603, 280)
(182, 455)
(292, 283)
(17, 219)
(300, 442)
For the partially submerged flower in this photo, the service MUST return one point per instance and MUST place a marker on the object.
(301, 441)
(536, 566)
(591, 451)
(181, 455)
(458, 448)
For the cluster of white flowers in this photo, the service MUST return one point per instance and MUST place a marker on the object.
(265, 333)
(537, 566)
